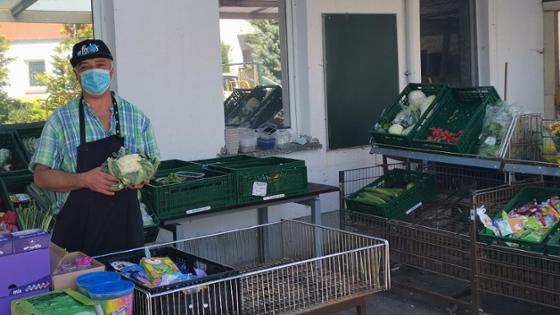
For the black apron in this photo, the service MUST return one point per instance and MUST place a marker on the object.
(92, 222)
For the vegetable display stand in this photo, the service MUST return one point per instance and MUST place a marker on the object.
(28, 136)
(214, 190)
(402, 101)
(282, 269)
(527, 194)
(266, 178)
(415, 188)
(18, 161)
(461, 115)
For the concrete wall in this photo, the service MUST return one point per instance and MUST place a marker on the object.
(169, 64)
(512, 31)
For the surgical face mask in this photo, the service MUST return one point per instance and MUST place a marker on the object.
(95, 81)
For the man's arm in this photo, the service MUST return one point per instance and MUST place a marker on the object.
(60, 181)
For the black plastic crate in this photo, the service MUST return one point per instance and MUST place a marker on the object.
(26, 131)
(256, 108)
(214, 270)
(234, 100)
(9, 140)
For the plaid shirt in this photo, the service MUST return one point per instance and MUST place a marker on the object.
(57, 147)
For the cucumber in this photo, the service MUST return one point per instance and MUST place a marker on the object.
(385, 198)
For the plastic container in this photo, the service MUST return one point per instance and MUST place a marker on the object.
(96, 278)
(247, 140)
(114, 297)
(266, 140)
(283, 138)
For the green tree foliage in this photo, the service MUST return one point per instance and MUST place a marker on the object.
(225, 57)
(62, 84)
(265, 46)
(7, 104)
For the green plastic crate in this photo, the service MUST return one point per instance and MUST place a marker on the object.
(401, 102)
(169, 166)
(8, 140)
(462, 109)
(215, 190)
(228, 159)
(525, 195)
(553, 244)
(283, 177)
(23, 131)
(424, 190)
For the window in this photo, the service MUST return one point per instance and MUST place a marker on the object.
(35, 67)
(35, 74)
(446, 39)
(254, 76)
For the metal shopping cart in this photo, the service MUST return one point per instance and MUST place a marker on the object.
(283, 267)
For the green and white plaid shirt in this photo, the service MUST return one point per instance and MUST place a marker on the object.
(57, 147)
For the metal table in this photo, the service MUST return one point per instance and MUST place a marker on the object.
(310, 198)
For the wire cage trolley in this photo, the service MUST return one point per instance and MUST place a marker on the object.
(283, 267)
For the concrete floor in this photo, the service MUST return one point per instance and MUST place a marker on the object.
(402, 301)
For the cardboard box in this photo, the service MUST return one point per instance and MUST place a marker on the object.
(68, 280)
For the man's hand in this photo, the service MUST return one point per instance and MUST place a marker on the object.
(98, 181)
(139, 186)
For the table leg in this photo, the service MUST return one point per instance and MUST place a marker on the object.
(262, 214)
(316, 219)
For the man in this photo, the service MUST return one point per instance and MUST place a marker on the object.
(76, 140)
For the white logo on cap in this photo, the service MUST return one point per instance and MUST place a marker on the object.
(89, 49)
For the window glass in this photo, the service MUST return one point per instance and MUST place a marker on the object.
(446, 52)
(253, 70)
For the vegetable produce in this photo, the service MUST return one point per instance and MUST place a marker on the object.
(30, 144)
(29, 216)
(426, 103)
(5, 159)
(170, 179)
(549, 150)
(130, 168)
(405, 120)
(396, 129)
(378, 195)
(416, 98)
(531, 221)
(442, 135)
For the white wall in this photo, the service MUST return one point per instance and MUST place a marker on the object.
(515, 35)
(169, 64)
(18, 69)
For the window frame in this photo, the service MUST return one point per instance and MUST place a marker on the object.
(285, 29)
(31, 76)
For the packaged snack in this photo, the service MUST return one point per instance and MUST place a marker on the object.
(161, 270)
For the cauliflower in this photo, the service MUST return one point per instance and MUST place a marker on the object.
(130, 168)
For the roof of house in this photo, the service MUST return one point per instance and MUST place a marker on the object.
(31, 31)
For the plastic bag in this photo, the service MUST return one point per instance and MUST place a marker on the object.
(496, 122)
